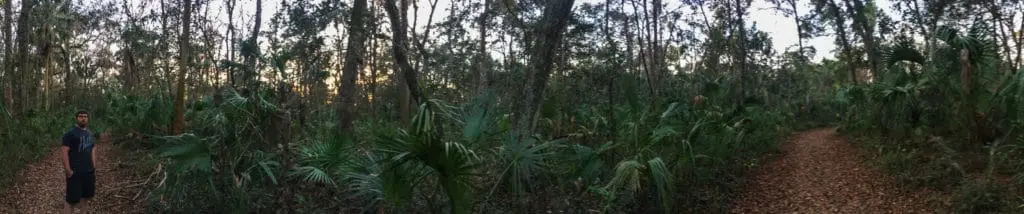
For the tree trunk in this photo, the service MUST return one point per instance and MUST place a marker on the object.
(164, 46)
(612, 75)
(24, 68)
(251, 74)
(482, 70)
(353, 61)
(844, 41)
(548, 36)
(740, 52)
(230, 42)
(400, 46)
(799, 29)
(644, 50)
(867, 34)
(1020, 44)
(183, 64)
(8, 81)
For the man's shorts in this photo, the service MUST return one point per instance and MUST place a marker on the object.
(80, 185)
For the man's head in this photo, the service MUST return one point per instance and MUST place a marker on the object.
(82, 119)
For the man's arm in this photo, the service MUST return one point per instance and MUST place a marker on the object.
(64, 149)
(95, 146)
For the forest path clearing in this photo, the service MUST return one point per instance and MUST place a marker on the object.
(40, 187)
(819, 172)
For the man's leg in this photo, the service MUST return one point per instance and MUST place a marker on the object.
(88, 190)
(73, 194)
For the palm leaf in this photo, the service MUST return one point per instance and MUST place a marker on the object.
(188, 152)
(313, 175)
(627, 175)
(663, 181)
(903, 50)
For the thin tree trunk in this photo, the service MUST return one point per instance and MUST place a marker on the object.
(164, 46)
(741, 51)
(612, 75)
(353, 61)
(549, 35)
(8, 80)
(643, 51)
(251, 75)
(1020, 44)
(867, 34)
(483, 73)
(844, 41)
(22, 81)
(47, 66)
(374, 59)
(400, 47)
(230, 41)
(183, 65)
(799, 29)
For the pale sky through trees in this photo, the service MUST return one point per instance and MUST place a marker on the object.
(781, 28)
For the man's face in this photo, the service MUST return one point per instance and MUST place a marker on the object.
(82, 119)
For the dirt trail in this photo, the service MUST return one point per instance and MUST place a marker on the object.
(819, 172)
(40, 187)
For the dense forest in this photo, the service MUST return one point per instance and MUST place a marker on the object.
(503, 106)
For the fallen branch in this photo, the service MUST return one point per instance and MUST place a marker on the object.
(157, 186)
(159, 168)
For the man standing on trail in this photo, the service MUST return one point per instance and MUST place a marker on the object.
(79, 164)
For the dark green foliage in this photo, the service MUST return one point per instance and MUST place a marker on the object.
(930, 131)
(27, 140)
(981, 196)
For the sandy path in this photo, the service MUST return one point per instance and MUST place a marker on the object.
(819, 172)
(40, 187)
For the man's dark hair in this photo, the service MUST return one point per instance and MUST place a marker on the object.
(81, 112)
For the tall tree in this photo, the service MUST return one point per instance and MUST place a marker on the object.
(740, 51)
(184, 58)
(400, 47)
(482, 60)
(8, 66)
(866, 29)
(831, 12)
(250, 50)
(22, 83)
(353, 61)
(792, 11)
(548, 36)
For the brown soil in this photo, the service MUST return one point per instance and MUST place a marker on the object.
(819, 172)
(40, 187)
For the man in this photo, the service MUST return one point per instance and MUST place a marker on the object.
(79, 164)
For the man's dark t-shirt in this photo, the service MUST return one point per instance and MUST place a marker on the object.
(80, 142)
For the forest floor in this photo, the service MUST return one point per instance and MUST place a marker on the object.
(820, 172)
(40, 187)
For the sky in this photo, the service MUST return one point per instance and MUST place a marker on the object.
(780, 28)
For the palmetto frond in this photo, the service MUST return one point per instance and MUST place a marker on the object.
(663, 181)
(333, 157)
(523, 159)
(982, 49)
(410, 152)
(627, 176)
(903, 50)
(188, 152)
